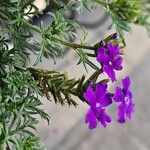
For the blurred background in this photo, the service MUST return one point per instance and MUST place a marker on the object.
(67, 130)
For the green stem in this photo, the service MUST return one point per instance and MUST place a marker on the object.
(102, 2)
(33, 27)
(66, 43)
(73, 45)
(93, 78)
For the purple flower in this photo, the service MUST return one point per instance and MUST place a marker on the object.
(123, 96)
(98, 100)
(95, 115)
(109, 57)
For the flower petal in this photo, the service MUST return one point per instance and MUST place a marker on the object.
(130, 109)
(89, 95)
(91, 119)
(113, 50)
(103, 117)
(102, 57)
(117, 64)
(107, 118)
(121, 113)
(106, 100)
(119, 96)
(93, 124)
(89, 116)
(109, 70)
(100, 91)
(126, 82)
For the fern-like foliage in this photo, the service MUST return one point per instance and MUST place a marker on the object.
(21, 85)
(58, 86)
(19, 104)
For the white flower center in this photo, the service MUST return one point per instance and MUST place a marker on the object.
(110, 63)
(127, 100)
(97, 105)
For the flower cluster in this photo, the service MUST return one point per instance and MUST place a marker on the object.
(110, 60)
(124, 97)
(98, 98)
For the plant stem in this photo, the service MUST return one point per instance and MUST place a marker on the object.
(102, 2)
(73, 45)
(66, 43)
(8, 148)
(33, 27)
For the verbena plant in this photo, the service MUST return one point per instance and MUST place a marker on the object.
(21, 85)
